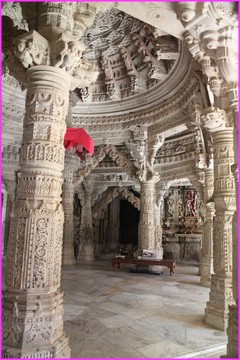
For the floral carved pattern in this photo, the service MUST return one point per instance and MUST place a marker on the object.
(40, 258)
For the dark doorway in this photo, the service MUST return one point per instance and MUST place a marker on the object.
(129, 219)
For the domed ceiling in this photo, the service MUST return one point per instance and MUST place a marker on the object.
(129, 56)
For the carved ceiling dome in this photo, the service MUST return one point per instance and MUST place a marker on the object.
(129, 56)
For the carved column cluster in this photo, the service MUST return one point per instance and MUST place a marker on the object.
(221, 295)
(207, 238)
(86, 252)
(32, 302)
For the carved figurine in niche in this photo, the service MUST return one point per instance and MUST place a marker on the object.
(191, 203)
(106, 66)
(110, 90)
(70, 56)
(127, 60)
(84, 94)
(142, 48)
(133, 85)
(27, 53)
(170, 204)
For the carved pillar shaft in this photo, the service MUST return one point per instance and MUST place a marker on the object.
(9, 210)
(86, 228)
(232, 331)
(4, 215)
(32, 301)
(224, 197)
(207, 238)
(146, 228)
(114, 223)
(68, 249)
(158, 233)
(159, 208)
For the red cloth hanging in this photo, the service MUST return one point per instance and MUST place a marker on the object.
(75, 137)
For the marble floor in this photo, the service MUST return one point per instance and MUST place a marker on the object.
(119, 314)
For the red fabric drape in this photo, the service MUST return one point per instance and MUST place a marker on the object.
(75, 137)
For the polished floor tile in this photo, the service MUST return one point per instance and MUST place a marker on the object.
(119, 314)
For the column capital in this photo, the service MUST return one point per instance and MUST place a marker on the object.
(65, 53)
(214, 119)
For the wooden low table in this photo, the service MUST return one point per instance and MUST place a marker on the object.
(130, 260)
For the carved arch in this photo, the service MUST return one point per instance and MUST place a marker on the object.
(115, 155)
(102, 205)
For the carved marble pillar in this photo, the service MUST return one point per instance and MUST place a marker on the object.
(4, 215)
(146, 227)
(67, 199)
(232, 331)
(6, 231)
(86, 228)
(9, 219)
(207, 238)
(114, 223)
(161, 191)
(221, 296)
(32, 302)
(158, 229)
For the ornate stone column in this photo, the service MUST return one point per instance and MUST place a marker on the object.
(32, 301)
(146, 227)
(207, 238)
(216, 312)
(161, 190)
(4, 215)
(158, 229)
(68, 249)
(67, 199)
(86, 228)
(144, 147)
(114, 223)
(232, 331)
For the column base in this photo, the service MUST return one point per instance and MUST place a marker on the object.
(32, 325)
(87, 253)
(60, 350)
(69, 259)
(216, 312)
(232, 332)
(206, 271)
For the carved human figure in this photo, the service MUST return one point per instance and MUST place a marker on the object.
(27, 53)
(84, 93)
(170, 204)
(110, 90)
(142, 48)
(133, 84)
(127, 59)
(15, 310)
(106, 66)
(69, 57)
